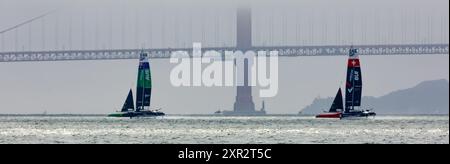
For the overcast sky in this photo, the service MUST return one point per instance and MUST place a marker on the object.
(101, 86)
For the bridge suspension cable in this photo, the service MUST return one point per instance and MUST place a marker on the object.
(26, 22)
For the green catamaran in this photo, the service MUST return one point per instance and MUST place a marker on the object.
(143, 94)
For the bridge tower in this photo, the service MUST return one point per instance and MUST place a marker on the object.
(244, 104)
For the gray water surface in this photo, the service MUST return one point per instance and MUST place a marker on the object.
(223, 130)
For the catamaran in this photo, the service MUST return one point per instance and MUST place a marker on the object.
(143, 94)
(353, 93)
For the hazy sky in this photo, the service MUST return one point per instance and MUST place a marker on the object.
(98, 24)
(101, 86)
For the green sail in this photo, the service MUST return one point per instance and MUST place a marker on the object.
(144, 84)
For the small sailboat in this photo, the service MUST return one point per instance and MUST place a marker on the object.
(336, 108)
(263, 107)
(143, 94)
(353, 93)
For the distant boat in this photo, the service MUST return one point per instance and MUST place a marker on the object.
(336, 108)
(263, 107)
(353, 88)
(353, 93)
(143, 94)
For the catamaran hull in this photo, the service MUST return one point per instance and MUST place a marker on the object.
(349, 115)
(150, 114)
(358, 114)
(138, 114)
(329, 115)
(121, 115)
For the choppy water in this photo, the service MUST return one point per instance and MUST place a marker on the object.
(212, 129)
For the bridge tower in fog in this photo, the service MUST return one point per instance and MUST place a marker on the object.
(244, 100)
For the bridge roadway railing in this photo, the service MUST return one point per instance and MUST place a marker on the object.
(283, 51)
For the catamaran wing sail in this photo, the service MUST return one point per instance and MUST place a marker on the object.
(337, 103)
(144, 83)
(353, 89)
(129, 104)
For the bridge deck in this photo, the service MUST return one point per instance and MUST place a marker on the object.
(284, 51)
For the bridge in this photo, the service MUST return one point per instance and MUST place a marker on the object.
(23, 44)
(284, 51)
